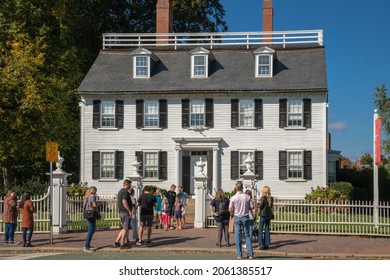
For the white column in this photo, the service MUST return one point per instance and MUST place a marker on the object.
(82, 140)
(59, 201)
(216, 184)
(178, 166)
(200, 186)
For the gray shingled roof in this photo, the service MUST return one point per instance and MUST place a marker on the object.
(232, 70)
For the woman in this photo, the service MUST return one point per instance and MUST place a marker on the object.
(27, 208)
(90, 205)
(134, 215)
(10, 217)
(218, 207)
(265, 207)
(252, 215)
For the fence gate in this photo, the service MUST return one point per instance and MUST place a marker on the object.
(41, 215)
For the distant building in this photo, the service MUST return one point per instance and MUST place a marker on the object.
(171, 99)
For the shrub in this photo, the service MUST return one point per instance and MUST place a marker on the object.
(345, 188)
(324, 194)
(76, 190)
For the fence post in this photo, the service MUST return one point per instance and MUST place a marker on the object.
(60, 184)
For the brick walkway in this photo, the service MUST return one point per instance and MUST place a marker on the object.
(204, 240)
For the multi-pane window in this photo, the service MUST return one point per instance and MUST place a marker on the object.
(151, 113)
(107, 167)
(294, 113)
(108, 114)
(295, 164)
(199, 64)
(264, 66)
(246, 113)
(141, 67)
(197, 113)
(151, 165)
(243, 157)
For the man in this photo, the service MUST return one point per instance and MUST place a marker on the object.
(125, 211)
(171, 197)
(240, 205)
(146, 201)
(184, 199)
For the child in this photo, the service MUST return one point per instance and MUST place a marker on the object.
(165, 211)
(157, 209)
(27, 208)
(178, 206)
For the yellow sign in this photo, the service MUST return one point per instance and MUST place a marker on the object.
(51, 151)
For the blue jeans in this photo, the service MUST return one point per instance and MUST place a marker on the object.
(242, 223)
(264, 238)
(25, 236)
(9, 232)
(251, 226)
(133, 222)
(91, 230)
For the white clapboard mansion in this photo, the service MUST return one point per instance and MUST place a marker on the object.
(170, 99)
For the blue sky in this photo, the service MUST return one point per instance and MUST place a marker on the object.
(357, 43)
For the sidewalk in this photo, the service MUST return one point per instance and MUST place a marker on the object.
(204, 240)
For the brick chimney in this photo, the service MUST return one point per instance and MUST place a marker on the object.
(268, 18)
(164, 16)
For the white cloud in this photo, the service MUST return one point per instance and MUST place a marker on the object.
(338, 126)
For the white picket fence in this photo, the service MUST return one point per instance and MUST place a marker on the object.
(291, 216)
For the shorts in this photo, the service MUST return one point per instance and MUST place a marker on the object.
(124, 216)
(171, 210)
(178, 215)
(146, 220)
(157, 212)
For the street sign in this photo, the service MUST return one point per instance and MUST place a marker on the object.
(51, 151)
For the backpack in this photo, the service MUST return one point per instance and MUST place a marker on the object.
(223, 207)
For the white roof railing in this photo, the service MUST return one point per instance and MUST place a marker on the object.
(282, 38)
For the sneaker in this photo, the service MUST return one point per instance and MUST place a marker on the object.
(28, 244)
(239, 257)
(5, 242)
(88, 250)
(250, 256)
(116, 244)
(148, 241)
(139, 243)
(13, 243)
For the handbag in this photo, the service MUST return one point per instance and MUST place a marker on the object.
(231, 224)
(251, 215)
(88, 214)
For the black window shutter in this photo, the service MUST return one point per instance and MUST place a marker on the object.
(162, 166)
(234, 113)
(139, 117)
(307, 170)
(234, 165)
(282, 113)
(140, 158)
(96, 114)
(258, 113)
(95, 165)
(282, 165)
(163, 113)
(258, 165)
(119, 162)
(119, 113)
(185, 113)
(209, 112)
(307, 113)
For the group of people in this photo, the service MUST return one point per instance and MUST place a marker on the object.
(241, 210)
(10, 217)
(168, 212)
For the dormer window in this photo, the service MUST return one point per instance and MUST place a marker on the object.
(264, 62)
(200, 60)
(143, 61)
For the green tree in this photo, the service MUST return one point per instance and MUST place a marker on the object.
(38, 73)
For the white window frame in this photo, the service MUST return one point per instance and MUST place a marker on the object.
(246, 113)
(145, 66)
(150, 165)
(204, 66)
(151, 113)
(242, 156)
(107, 165)
(295, 113)
(197, 108)
(264, 51)
(295, 168)
(107, 116)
